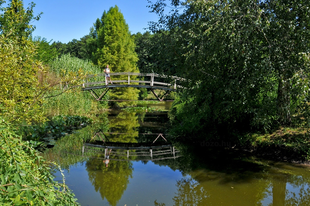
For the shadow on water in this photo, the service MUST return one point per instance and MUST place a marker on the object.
(193, 175)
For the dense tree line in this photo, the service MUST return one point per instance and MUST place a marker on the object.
(76, 48)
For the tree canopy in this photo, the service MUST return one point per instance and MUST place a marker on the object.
(244, 59)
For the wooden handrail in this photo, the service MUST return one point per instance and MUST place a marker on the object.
(151, 82)
(138, 74)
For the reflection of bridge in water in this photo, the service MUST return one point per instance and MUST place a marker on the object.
(132, 151)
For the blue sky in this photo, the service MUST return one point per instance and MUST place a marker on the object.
(64, 20)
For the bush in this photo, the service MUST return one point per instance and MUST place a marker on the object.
(25, 177)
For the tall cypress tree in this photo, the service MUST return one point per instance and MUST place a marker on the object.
(116, 47)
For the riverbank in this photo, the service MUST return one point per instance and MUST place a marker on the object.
(284, 144)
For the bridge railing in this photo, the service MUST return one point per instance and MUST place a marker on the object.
(152, 79)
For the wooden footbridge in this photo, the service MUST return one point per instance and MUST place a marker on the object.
(150, 81)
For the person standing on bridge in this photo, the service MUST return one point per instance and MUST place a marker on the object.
(107, 74)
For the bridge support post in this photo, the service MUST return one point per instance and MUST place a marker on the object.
(152, 80)
(162, 97)
(151, 152)
(173, 152)
(98, 98)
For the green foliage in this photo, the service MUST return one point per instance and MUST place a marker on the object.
(55, 128)
(242, 59)
(24, 80)
(76, 48)
(20, 90)
(15, 20)
(45, 52)
(74, 101)
(291, 140)
(25, 177)
(67, 63)
(158, 53)
(144, 43)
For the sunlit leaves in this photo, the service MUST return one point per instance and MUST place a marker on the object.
(21, 92)
(25, 177)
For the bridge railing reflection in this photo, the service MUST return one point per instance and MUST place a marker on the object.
(131, 152)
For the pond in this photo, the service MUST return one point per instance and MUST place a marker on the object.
(166, 174)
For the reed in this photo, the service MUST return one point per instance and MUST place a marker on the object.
(71, 102)
(67, 63)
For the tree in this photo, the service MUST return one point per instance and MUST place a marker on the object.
(15, 21)
(76, 48)
(157, 53)
(45, 52)
(116, 48)
(21, 91)
(241, 58)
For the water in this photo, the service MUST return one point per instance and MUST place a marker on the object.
(181, 176)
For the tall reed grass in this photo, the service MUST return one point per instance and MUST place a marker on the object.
(74, 101)
(67, 63)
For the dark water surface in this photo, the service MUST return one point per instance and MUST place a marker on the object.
(171, 175)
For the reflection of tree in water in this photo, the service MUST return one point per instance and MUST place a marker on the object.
(125, 124)
(303, 198)
(189, 193)
(229, 179)
(282, 195)
(111, 181)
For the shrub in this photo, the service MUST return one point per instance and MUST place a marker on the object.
(25, 177)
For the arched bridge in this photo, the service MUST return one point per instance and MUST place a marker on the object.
(150, 81)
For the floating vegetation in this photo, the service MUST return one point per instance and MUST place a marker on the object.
(53, 129)
(142, 109)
